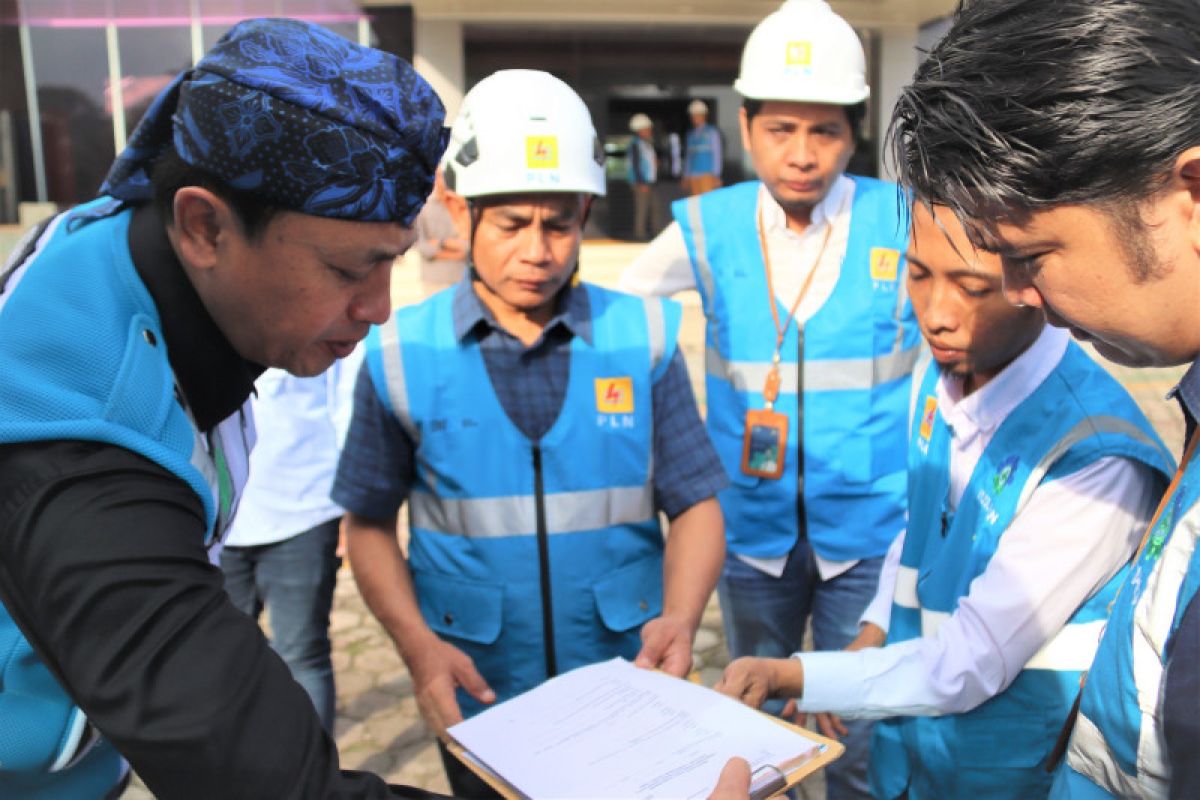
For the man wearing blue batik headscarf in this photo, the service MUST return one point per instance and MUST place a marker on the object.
(251, 222)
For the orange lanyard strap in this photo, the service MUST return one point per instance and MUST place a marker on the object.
(1162, 504)
(771, 385)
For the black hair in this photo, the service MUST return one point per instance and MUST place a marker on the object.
(1027, 105)
(170, 173)
(854, 114)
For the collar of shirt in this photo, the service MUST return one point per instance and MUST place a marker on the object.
(831, 207)
(1188, 391)
(214, 378)
(572, 311)
(982, 411)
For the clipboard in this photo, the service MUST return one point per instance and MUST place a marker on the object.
(769, 780)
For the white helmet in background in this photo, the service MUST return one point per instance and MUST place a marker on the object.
(521, 131)
(639, 122)
(806, 53)
(697, 107)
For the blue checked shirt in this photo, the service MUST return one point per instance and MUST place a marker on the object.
(376, 469)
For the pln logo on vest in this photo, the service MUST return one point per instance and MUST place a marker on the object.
(885, 267)
(614, 402)
(928, 416)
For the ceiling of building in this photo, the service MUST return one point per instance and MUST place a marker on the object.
(861, 13)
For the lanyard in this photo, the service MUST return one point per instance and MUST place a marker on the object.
(771, 385)
(1064, 736)
(1162, 504)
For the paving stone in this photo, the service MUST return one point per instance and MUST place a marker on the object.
(344, 619)
(378, 658)
(705, 640)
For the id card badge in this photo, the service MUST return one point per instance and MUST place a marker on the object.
(764, 443)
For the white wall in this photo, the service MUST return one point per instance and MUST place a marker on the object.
(897, 62)
(438, 57)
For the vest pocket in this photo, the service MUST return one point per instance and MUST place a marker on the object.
(460, 609)
(630, 596)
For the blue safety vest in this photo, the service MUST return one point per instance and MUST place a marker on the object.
(1075, 417)
(1116, 747)
(701, 152)
(533, 557)
(859, 353)
(82, 358)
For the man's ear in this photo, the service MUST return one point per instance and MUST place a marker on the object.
(202, 222)
(460, 212)
(1187, 176)
(744, 127)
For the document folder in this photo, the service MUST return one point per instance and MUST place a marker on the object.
(613, 730)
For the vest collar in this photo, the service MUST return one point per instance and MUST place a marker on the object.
(985, 409)
(215, 379)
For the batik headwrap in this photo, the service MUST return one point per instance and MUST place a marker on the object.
(301, 117)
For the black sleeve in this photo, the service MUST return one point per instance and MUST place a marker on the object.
(1181, 704)
(103, 568)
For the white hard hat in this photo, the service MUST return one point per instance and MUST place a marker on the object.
(697, 107)
(804, 52)
(639, 122)
(521, 130)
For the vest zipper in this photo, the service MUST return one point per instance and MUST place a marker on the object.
(543, 542)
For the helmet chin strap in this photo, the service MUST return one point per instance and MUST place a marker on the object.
(476, 212)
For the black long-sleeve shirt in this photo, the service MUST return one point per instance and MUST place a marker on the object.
(102, 565)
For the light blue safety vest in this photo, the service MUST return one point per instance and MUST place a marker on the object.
(701, 153)
(82, 358)
(1116, 747)
(532, 557)
(859, 353)
(1077, 416)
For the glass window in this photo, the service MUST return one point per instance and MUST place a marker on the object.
(150, 58)
(71, 69)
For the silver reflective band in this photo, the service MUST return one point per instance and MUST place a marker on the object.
(1070, 650)
(1082, 430)
(515, 515)
(1090, 756)
(393, 372)
(656, 329)
(703, 268)
(906, 588)
(819, 376)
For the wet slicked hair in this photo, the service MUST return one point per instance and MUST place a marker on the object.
(1030, 104)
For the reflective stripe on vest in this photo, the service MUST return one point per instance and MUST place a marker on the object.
(1154, 617)
(1071, 649)
(566, 512)
(393, 370)
(1082, 430)
(819, 376)
(393, 359)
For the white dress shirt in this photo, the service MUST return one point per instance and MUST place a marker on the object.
(301, 425)
(1072, 537)
(665, 267)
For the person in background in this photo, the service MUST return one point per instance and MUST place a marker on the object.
(643, 175)
(281, 550)
(1081, 170)
(131, 331)
(702, 167)
(441, 246)
(810, 347)
(1031, 476)
(537, 426)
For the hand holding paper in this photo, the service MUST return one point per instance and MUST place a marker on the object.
(666, 645)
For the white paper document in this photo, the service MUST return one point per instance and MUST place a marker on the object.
(611, 730)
